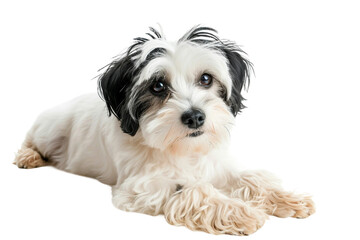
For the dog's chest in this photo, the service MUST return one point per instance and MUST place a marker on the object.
(191, 169)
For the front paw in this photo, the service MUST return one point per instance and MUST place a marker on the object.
(201, 208)
(292, 205)
(305, 208)
(245, 220)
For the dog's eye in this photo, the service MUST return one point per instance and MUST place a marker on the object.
(158, 87)
(206, 80)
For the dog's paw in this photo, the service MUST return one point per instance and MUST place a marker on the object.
(201, 208)
(305, 208)
(292, 205)
(249, 220)
(28, 158)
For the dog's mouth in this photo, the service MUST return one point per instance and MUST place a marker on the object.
(195, 134)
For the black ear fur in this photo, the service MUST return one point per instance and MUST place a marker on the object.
(239, 70)
(114, 87)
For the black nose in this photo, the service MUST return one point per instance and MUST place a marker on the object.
(193, 118)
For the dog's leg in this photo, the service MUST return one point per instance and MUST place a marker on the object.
(142, 194)
(263, 190)
(202, 207)
(28, 157)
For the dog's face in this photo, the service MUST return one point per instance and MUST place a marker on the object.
(179, 96)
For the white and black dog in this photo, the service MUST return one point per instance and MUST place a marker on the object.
(160, 139)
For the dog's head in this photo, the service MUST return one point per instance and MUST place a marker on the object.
(178, 96)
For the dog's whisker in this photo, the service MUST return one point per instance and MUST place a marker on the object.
(228, 131)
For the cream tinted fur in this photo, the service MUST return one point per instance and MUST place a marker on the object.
(161, 170)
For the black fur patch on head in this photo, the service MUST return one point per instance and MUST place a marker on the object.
(116, 83)
(239, 67)
(156, 52)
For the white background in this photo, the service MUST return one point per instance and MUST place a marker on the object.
(302, 120)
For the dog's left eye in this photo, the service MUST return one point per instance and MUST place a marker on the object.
(158, 87)
(206, 80)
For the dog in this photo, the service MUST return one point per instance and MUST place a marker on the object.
(158, 134)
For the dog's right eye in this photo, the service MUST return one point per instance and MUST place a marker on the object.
(206, 80)
(158, 87)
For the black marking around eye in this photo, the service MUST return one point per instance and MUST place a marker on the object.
(116, 83)
(156, 79)
(222, 91)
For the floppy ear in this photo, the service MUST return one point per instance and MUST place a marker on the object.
(239, 70)
(114, 86)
